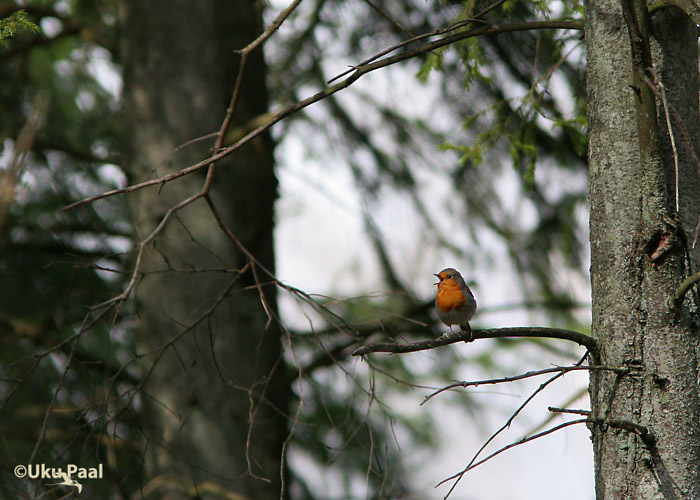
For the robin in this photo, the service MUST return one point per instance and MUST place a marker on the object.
(454, 302)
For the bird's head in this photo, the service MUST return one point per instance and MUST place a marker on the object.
(449, 277)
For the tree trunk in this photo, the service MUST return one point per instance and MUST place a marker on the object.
(646, 434)
(179, 72)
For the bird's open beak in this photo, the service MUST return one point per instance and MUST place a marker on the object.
(439, 278)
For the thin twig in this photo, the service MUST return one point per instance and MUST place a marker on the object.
(442, 31)
(662, 94)
(274, 26)
(681, 291)
(54, 398)
(295, 419)
(534, 373)
(554, 409)
(573, 397)
(524, 440)
(640, 430)
(458, 476)
(358, 72)
(160, 351)
(245, 53)
(119, 299)
(668, 107)
(388, 17)
(209, 162)
(647, 437)
(249, 257)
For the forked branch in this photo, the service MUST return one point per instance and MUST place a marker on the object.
(472, 463)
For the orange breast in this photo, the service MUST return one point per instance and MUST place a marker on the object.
(450, 298)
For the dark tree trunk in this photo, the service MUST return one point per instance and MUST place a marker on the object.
(179, 72)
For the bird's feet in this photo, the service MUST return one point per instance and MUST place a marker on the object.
(449, 334)
(452, 333)
(468, 330)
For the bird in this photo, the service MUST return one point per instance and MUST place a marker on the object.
(454, 302)
(68, 481)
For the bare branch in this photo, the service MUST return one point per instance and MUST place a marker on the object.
(524, 440)
(358, 72)
(626, 425)
(554, 409)
(537, 332)
(54, 398)
(458, 476)
(442, 31)
(646, 436)
(385, 14)
(274, 26)
(682, 290)
(643, 432)
(534, 373)
(210, 162)
(657, 89)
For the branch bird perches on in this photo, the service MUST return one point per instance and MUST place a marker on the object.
(491, 333)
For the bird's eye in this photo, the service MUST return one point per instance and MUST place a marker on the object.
(448, 276)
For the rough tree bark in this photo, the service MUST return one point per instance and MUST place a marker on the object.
(179, 72)
(633, 274)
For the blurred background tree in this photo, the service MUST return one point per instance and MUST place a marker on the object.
(473, 156)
